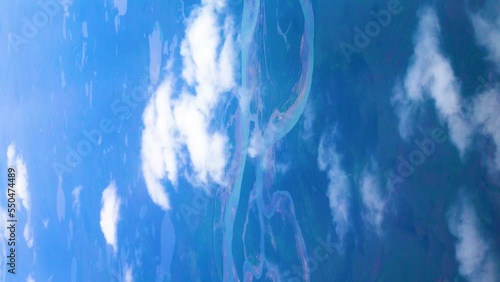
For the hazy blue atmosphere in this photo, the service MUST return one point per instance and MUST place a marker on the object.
(250, 140)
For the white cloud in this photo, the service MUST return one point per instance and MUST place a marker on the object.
(206, 150)
(127, 274)
(372, 200)
(30, 279)
(61, 201)
(472, 250)
(18, 163)
(110, 215)
(338, 188)
(28, 234)
(430, 74)
(85, 31)
(121, 6)
(206, 68)
(486, 116)
(22, 192)
(76, 199)
(255, 145)
(66, 4)
(117, 24)
(159, 147)
(183, 122)
(487, 30)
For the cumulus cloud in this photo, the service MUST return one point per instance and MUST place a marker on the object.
(339, 194)
(473, 252)
(430, 75)
(110, 215)
(373, 202)
(487, 29)
(22, 192)
(159, 145)
(179, 131)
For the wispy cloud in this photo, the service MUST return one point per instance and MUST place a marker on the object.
(308, 121)
(45, 223)
(28, 234)
(486, 116)
(430, 75)
(473, 250)
(121, 6)
(339, 193)
(110, 215)
(76, 199)
(487, 28)
(61, 200)
(169, 142)
(155, 53)
(127, 274)
(22, 192)
(66, 4)
(373, 202)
